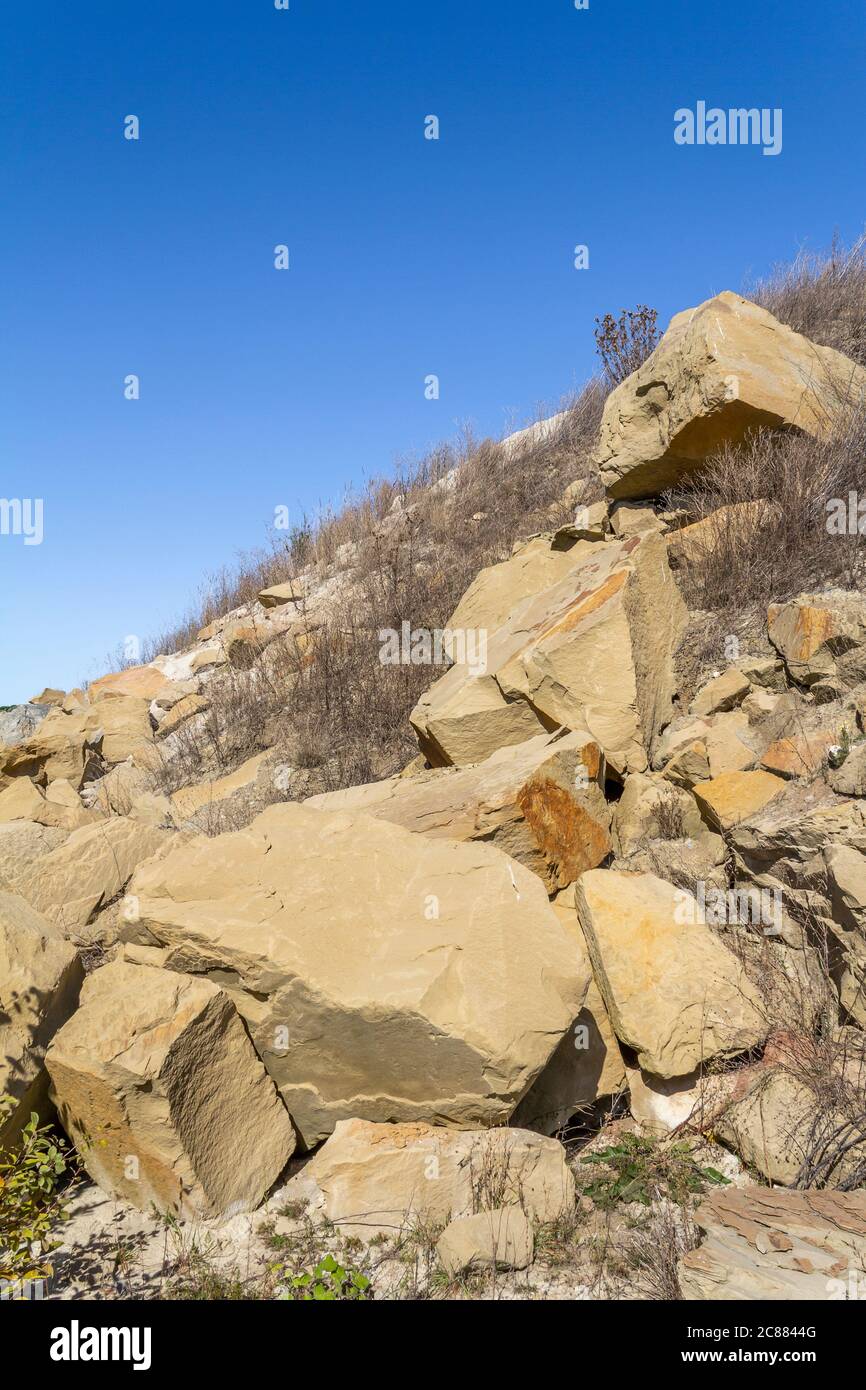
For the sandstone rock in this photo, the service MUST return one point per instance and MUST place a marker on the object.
(86, 874)
(674, 993)
(22, 843)
(201, 797)
(849, 779)
(40, 977)
(61, 746)
(589, 523)
(542, 802)
(798, 755)
(497, 590)
(722, 693)
(846, 879)
(720, 371)
(293, 592)
(207, 658)
(394, 976)
(49, 697)
(158, 1085)
(498, 1239)
(651, 808)
(145, 682)
(23, 800)
(730, 743)
(181, 711)
(125, 725)
(378, 1177)
(735, 797)
(764, 671)
(773, 1246)
(781, 1126)
(628, 520)
(822, 640)
(593, 652)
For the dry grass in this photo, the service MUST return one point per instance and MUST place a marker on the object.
(765, 536)
(822, 296)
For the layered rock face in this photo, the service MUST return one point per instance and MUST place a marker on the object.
(155, 1079)
(720, 371)
(382, 974)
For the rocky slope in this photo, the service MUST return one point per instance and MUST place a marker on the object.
(602, 922)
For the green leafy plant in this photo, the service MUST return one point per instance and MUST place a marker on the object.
(30, 1202)
(638, 1170)
(329, 1282)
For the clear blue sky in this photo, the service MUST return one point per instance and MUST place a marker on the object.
(408, 256)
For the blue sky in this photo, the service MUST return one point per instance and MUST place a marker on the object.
(262, 388)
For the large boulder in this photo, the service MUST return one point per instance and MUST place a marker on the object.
(784, 1125)
(541, 801)
(157, 1083)
(674, 992)
(594, 652)
(40, 978)
(769, 1245)
(720, 371)
(376, 1177)
(124, 723)
(62, 745)
(144, 682)
(382, 974)
(86, 874)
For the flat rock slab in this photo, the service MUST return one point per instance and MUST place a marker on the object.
(774, 1245)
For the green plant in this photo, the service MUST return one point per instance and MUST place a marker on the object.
(30, 1203)
(329, 1282)
(639, 1170)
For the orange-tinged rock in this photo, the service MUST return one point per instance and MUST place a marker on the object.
(735, 796)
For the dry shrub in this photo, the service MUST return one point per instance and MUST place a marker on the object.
(822, 296)
(653, 1250)
(625, 343)
(765, 507)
